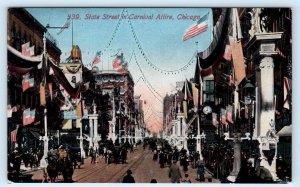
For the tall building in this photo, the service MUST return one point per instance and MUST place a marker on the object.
(25, 75)
(119, 85)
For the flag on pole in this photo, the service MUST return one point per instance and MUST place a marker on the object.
(199, 27)
(229, 114)
(65, 26)
(26, 116)
(97, 58)
(118, 61)
(223, 116)
(214, 120)
(27, 82)
(13, 135)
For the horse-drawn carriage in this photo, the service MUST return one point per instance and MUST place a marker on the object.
(75, 156)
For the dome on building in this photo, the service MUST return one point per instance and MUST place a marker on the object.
(76, 54)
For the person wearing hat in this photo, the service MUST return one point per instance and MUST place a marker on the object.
(128, 178)
(174, 172)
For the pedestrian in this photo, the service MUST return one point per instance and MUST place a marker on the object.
(246, 173)
(153, 181)
(200, 171)
(128, 178)
(174, 172)
(155, 155)
(186, 179)
(93, 155)
(162, 160)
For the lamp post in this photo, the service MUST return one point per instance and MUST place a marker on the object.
(43, 162)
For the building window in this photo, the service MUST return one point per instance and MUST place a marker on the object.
(209, 86)
(209, 91)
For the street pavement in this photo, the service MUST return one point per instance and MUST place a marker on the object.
(143, 167)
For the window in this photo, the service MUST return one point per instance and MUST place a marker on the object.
(209, 91)
(209, 86)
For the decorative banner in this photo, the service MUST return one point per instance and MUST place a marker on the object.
(42, 95)
(67, 124)
(238, 61)
(69, 114)
(79, 110)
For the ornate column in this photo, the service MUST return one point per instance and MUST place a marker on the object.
(91, 132)
(261, 49)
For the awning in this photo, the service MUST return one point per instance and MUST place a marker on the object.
(285, 131)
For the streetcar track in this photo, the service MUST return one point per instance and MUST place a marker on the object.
(98, 169)
(135, 164)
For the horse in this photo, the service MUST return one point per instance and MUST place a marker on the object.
(52, 170)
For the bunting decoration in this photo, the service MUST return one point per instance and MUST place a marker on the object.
(148, 61)
(26, 49)
(286, 93)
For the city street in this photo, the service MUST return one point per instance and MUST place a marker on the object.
(140, 162)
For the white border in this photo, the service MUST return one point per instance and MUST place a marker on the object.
(294, 4)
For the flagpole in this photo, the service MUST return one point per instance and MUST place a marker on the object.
(72, 32)
(43, 162)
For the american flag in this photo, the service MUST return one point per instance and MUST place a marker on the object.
(97, 58)
(26, 116)
(13, 135)
(223, 116)
(196, 29)
(214, 120)
(229, 113)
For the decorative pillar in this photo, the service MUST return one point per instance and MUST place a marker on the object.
(262, 48)
(198, 138)
(91, 132)
(237, 157)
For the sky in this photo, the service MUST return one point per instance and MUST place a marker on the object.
(160, 40)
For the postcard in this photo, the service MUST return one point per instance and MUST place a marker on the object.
(149, 95)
